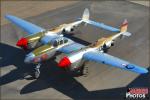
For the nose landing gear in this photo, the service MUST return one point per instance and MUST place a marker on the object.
(37, 71)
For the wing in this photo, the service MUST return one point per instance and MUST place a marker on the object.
(27, 26)
(102, 25)
(71, 48)
(113, 61)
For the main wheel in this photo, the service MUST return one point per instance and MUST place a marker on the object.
(84, 71)
(36, 74)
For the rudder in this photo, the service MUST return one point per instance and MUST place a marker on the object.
(86, 14)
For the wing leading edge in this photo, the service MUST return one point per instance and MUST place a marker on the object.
(114, 61)
(27, 26)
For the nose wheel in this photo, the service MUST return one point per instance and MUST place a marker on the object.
(37, 71)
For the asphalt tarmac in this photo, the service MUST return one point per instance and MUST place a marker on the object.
(102, 82)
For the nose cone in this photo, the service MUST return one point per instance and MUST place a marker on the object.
(22, 43)
(29, 58)
(64, 62)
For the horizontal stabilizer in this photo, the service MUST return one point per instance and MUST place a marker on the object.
(102, 25)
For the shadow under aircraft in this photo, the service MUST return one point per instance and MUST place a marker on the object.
(12, 56)
(69, 86)
(54, 77)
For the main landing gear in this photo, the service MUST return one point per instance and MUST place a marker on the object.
(84, 71)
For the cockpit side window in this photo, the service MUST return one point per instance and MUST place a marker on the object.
(61, 42)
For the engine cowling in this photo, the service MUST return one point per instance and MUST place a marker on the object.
(66, 63)
(23, 43)
(73, 61)
(26, 42)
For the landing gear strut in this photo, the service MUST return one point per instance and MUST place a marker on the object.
(84, 70)
(37, 71)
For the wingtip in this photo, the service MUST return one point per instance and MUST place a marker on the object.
(7, 16)
(144, 71)
(124, 23)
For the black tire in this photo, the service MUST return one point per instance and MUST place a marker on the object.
(36, 74)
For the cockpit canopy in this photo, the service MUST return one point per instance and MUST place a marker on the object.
(59, 41)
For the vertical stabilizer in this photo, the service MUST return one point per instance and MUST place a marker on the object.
(86, 14)
(124, 26)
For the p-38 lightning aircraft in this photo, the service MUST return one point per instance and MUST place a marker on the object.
(97, 52)
(51, 40)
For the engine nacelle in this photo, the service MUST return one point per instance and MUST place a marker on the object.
(67, 64)
(40, 54)
(73, 61)
(108, 44)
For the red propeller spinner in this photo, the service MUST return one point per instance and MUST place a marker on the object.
(64, 62)
(23, 42)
